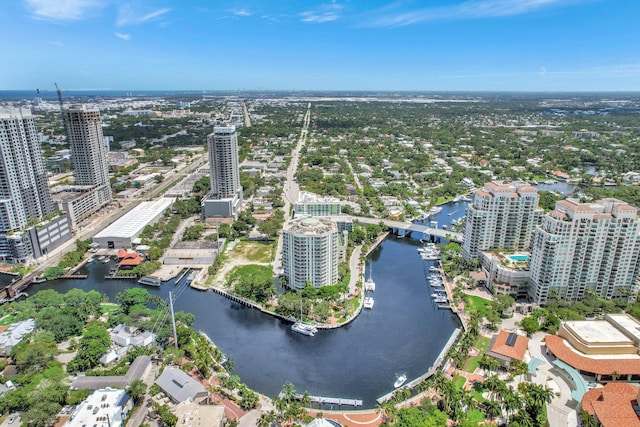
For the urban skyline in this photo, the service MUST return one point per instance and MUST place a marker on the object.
(551, 45)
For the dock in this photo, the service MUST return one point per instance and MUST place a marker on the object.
(321, 400)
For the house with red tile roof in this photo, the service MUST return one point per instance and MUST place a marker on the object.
(506, 346)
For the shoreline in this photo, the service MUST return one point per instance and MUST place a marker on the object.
(325, 326)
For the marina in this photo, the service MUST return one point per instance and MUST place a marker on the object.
(410, 337)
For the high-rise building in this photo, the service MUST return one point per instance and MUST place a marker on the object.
(501, 216)
(582, 247)
(88, 151)
(225, 198)
(25, 200)
(92, 189)
(312, 249)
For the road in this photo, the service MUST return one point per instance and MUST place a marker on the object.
(291, 188)
(247, 116)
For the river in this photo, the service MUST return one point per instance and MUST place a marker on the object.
(404, 333)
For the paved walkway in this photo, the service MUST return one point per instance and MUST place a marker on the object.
(561, 407)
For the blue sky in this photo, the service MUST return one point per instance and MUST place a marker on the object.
(521, 45)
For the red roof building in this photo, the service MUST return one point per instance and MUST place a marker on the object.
(614, 405)
(507, 346)
(129, 258)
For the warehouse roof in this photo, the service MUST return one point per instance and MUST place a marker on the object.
(134, 221)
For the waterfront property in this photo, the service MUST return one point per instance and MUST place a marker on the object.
(581, 247)
(506, 274)
(502, 215)
(312, 249)
(121, 233)
(180, 387)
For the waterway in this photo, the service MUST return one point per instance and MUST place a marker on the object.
(404, 333)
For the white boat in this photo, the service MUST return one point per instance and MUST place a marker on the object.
(150, 281)
(441, 300)
(434, 269)
(457, 199)
(444, 306)
(368, 302)
(106, 260)
(435, 210)
(190, 277)
(438, 294)
(401, 380)
(304, 329)
(39, 279)
(370, 285)
(90, 260)
(466, 199)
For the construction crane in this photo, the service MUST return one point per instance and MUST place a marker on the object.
(59, 92)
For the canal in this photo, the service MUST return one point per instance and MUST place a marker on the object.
(404, 333)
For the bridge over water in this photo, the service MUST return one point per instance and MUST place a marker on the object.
(407, 228)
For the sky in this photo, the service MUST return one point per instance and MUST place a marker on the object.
(263, 45)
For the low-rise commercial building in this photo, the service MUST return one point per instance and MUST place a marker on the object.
(180, 387)
(315, 205)
(121, 233)
(607, 349)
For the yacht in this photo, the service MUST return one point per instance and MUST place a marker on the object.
(370, 285)
(434, 269)
(368, 302)
(401, 380)
(444, 305)
(441, 300)
(304, 329)
(435, 210)
(39, 279)
(150, 281)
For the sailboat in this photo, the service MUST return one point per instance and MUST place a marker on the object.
(303, 328)
(370, 285)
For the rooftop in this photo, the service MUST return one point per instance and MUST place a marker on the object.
(623, 364)
(509, 344)
(597, 331)
(134, 221)
(613, 404)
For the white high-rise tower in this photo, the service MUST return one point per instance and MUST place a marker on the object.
(225, 198)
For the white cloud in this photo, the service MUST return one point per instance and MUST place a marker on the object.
(62, 10)
(325, 13)
(122, 36)
(128, 16)
(54, 43)
(240, 12)
(468, 10)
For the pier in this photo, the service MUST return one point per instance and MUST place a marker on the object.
(321, 400)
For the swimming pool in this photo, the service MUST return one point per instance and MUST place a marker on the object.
(519, 258)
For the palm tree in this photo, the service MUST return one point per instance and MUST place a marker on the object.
(306, 399)
(264, 420)
(492, 409)
(587, 420)
(288, 392)
(518, 367)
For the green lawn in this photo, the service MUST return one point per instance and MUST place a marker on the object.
(481, 344)
(7, 320)
(108, 307)
(255, 251)
(479, 304)
(459, 381)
